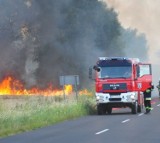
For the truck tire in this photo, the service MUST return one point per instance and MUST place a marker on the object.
(109, 110)
(100, 109)
(134, 107)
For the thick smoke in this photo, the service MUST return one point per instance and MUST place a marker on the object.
(141, 15)
(43, 39)
(135, 44)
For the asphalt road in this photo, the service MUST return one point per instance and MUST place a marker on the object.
(120, 127)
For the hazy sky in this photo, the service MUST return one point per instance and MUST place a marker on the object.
(143, 15)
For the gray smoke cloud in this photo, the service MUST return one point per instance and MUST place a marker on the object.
(135, 44)
(43, 39)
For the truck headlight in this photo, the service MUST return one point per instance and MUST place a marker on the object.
(132, 96)
(97, 97)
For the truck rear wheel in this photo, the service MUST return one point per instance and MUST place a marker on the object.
(134, 107)
(139, 109)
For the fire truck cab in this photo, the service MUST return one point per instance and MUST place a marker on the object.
(120, 83)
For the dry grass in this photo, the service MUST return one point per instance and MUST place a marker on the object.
(23, 113)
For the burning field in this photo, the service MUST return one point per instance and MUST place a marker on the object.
(11, 86)
(23, 113)
(24, 109)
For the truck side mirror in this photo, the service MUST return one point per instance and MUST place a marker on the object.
(92, 73)
(96, 68)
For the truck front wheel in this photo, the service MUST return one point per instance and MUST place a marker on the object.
(134, 107)
(109, 110)
(101, 109)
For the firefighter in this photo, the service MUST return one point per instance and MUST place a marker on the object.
(158, 87)
(147, 99)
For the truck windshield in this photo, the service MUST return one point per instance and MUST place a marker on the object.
(115, 72)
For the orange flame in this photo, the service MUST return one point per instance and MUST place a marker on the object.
(12, 86)
(85, 92)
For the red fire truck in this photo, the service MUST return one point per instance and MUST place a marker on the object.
(120, 82)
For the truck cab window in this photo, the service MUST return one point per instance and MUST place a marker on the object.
(115, 72)
(144, 70)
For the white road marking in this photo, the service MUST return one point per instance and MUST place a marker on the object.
(158, 105)
(141, 114)
(105, 130)
(125, 121)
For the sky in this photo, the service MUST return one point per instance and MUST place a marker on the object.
(142, 15)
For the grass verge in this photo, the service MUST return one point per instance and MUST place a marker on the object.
(29, 113)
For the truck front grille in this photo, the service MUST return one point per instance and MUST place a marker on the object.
(115, 86)
(114, 93)
(114, 99)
